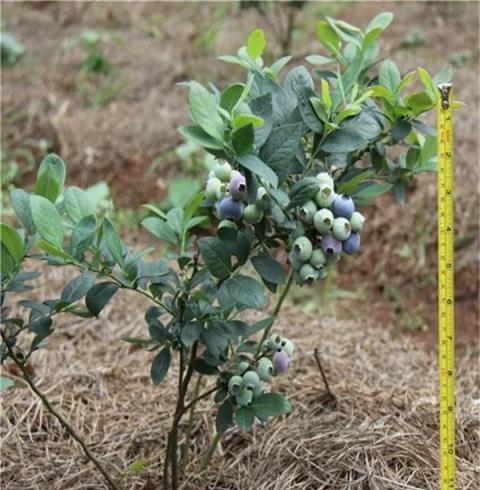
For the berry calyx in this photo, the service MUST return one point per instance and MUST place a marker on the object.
(325, 196)
(323, 220)
(308, 274)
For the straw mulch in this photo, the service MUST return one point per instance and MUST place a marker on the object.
(380, 433)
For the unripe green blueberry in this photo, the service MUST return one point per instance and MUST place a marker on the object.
(211, 174)
(318, 259)
(241, 367)
(274, 342)
(252, 214)
(307, 212)
(251, 380)
(226, 223)
(223, 171)
(263, 199)
(222, 191)
(302, 248)
(341, 229)
(325, 196)
(295, 262)
(308, 274)
(244, 398)
(323, 221)
(212, 188)
(325, 178)
(235, 385)
(287, 346)
(265, 369)
(356, 221)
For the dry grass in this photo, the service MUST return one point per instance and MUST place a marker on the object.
(381, 433)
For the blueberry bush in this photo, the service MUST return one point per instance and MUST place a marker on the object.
(297, 157)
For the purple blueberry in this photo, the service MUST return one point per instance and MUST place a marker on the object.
(330, 245)
(238, 187)
(343, 206)
(228, 208)
(351, 244)
(281, 361)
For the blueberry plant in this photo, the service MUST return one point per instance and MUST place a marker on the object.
(297, 157)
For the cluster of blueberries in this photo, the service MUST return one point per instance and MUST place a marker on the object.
(248, 381)
(330, 225)
(228, 189)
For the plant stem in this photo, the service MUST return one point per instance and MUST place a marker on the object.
(211, 451)
(188, 434)
(276, 311)
(70, 430)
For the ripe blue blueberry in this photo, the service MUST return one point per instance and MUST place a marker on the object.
(235, 385)
(238, 187)
(308, 274)
(287, 346)
(318, 259)
(325, 196)
(343, 206)
(212, 187)
(356, 221)
(331, 246)
(352, 244)
(302, 248)
(223, 171)
(307, 212)
(323, 221)
(341, 229)
(325, 178)
(252, 214)
(228, 208)
(281, 361)
(244, 398)
(265, 369)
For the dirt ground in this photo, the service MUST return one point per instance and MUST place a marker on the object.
(382, 433)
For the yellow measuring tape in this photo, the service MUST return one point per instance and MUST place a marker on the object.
(446, 320)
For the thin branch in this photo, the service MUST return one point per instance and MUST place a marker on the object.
(63, 422)
(316, 354)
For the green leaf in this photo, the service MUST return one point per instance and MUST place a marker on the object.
(419, 102)
(6, 383)
(326, 94)
(77, 204)
(198, 136)
(342, 141)
(246, 291)
(47, 184)
(154, 209)
(53, 250)
(316, 59)
(201, 366)
(372, 190)
(224, 418)
(78, 287)
(21, 205)
(256, 43)
(160, 365)
(204, 111)
(160, 229)
(244, 418)
(428, 83)
(181, 190)
(256, 166)
(444, 75)
(113, 242)
(83, 235)
(389, 76)
(190, 333)
(375, 28)
(47, 220)
(329, 38)
(279, 64)
(12, 242)
(230, 96)
(270, 405)
(269, 269)
(216, 257)
(242, 139)
(302, 191)
(400, 129)
(99, 295)
(243, 119)
(50, 177)
(258, 327)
